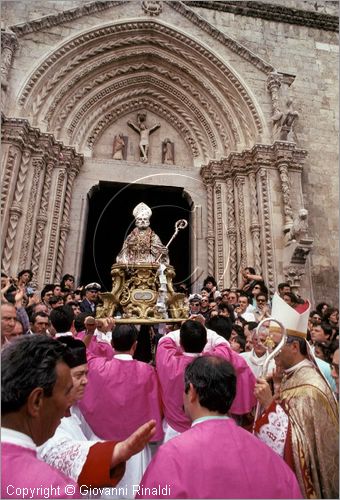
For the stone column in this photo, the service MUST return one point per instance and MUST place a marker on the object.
(273, 86)
(239, 182)
(254, 224)
(219, 236)
(262, 181)
(65, 224)
(9, 44)
(15, 213)
(34, 199)
(285, 188)
(41, 221)
(231, 231)
(53, 237)
(210, 232)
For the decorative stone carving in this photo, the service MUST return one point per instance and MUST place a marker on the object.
(288, 123)
(15, 212)
(8, 46)
(268, 242)
(210, 231)
(285, 188)
(56, 220)
(231, 231)
(297, 249)
(254, 225)
(152, 7)
(38, 164)
(299, 229)
(24, 142)
(230, 108)
(144, 133)
(273, 86)
(119, 147)
(242, 223)
(293, 274)
(41, 222)
(193, 141)
(7, 177)
(168, 152)
(65, 225)
(220, 235)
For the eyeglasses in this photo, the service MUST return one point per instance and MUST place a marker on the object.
(204, 300)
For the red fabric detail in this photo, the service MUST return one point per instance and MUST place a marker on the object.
(97, 468)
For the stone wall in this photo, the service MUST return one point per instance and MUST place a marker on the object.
(313, 56)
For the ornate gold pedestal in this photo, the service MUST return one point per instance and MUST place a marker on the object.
(136, 296)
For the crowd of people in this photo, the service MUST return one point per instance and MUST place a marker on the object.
(198, 409)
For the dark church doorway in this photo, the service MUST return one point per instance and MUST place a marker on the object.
(110, 220)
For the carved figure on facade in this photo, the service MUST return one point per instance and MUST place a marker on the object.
(299, 229)
(144, 133)
(168, 155)
(284, 123)
(288, 123)
(142, 245)
(297, 249)
(152, 7)
(119, 147)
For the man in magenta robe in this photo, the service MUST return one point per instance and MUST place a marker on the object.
(35, 394)
(175, 351)
(215, 458)
(122, 393)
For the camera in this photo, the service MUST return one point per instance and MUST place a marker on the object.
(29, 291)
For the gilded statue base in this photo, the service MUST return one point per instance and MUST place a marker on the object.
(142, 293)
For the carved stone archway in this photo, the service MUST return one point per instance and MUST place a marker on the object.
(91, 81)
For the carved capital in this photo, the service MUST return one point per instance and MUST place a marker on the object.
(294, 275)
(38, 163)
(8, 41)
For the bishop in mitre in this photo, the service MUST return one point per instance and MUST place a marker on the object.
(142, 245)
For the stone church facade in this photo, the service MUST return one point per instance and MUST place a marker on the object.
(245, 99)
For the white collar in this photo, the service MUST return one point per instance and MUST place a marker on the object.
(304, 362)
(18, 438)
(256, 360)
(191, 354)
(210, 417)
(65, 334)
(123, 357)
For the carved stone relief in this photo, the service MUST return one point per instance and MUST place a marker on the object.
(85, 88)
(255, 166)
(41, 153)
(168, 152)
(152, 7)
